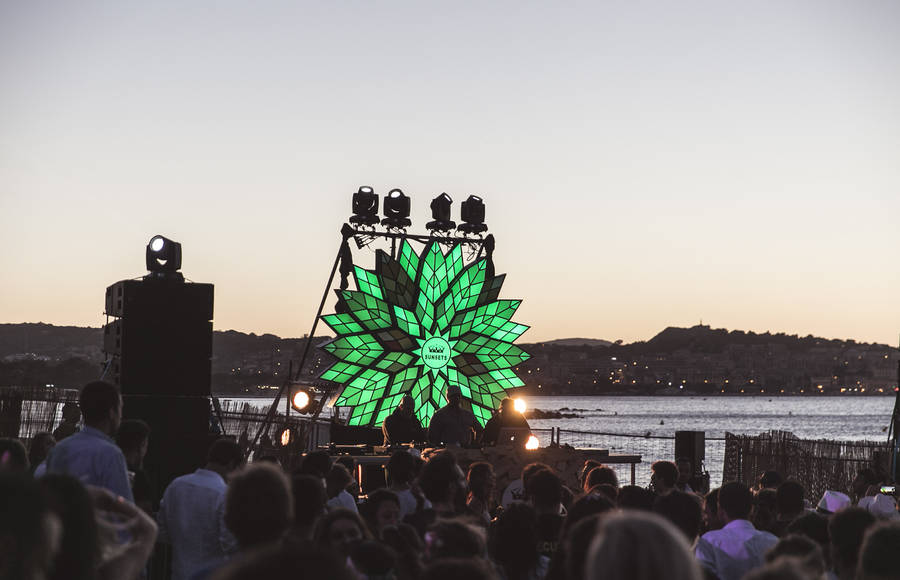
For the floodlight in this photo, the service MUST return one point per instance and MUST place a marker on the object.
(472, 212)
(440, 213)
(163, 258)
(302, 400)
(532, 443)
(365, 207)
(519, 405)
(396, 210)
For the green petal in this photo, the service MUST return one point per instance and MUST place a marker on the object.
(362, 349)
(342, 323)
(409, 260)
(367, 282)
(372, 313)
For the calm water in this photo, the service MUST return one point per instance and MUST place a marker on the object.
(815, 417)
(843, 418)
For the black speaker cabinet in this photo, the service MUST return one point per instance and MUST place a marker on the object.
(691, 445)
(159, 348)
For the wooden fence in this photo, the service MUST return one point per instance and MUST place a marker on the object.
(818, 464)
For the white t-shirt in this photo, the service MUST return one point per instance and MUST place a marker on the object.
(408, 502)
(343, 500)
(514, 493)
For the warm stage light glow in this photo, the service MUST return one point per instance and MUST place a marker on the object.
(532, 442)
(520, 405)
(301, 400)
(285, 437)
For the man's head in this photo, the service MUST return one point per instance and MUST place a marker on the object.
(407, 404)
(439, 478)
(846, 530)
(879, 556)
(663, 475)
(337, 480)
(735, 501)
(316, 463)
(685, 469)
(401, 467)
(133, 438)
(789, 499)
(224, 456)
(258, 505)
(101, 406)
(507, 405)
(545, 491)
(683, 510)
(454, 396)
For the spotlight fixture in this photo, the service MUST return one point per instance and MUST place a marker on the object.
(365, 207)
(473, 215)
(440, 213)
(164, 258)
(303, 401)
(396, 210)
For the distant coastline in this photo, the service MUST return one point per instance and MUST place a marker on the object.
(698, 361)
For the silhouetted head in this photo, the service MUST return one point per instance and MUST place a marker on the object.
(735, 501)
(640, 546)
(224, 456)
(258, 505)
(41, 444)
(454, 396)
(401, 467)
(13, 456)
(789, 499)
(846, 530)
(316, 463)
(879, 557)
(683, 510)
(339, 530)
(133, 438)
(663, 476)
(101, 406)
(381, 510)
(407, 404)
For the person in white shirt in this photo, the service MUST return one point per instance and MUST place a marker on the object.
(336, 487)
(738, 547)
(401, 468)
(191, 513)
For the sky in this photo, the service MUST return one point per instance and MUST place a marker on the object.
(643, 164)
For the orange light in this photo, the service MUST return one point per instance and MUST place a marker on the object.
(520, 405)
(300, 401)
(532, 443)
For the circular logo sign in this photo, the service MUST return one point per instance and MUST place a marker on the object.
(436, 352)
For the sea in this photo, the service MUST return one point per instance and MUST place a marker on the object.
(647, 425)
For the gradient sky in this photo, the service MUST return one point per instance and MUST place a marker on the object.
(644, 164)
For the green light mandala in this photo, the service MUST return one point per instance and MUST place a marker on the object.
(418, 324)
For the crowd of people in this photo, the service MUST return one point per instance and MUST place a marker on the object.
(79, 509)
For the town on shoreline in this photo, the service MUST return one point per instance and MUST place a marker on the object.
(678, 361)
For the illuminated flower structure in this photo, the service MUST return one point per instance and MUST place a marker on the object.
(418, 324)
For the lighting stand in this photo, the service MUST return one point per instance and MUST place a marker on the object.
(344, 262)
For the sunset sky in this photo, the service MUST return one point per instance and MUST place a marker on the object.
(644, 164)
